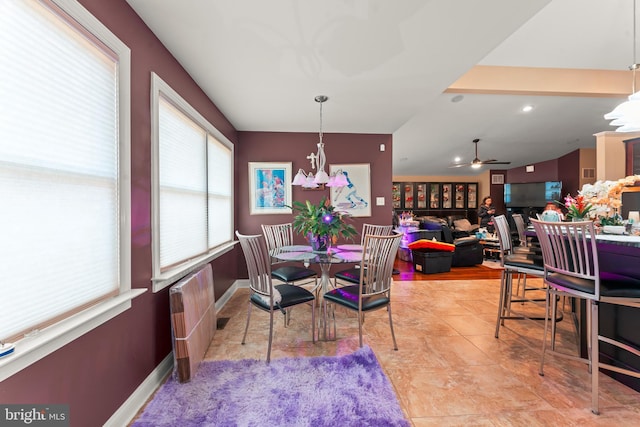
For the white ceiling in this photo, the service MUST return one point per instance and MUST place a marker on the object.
(385, 65)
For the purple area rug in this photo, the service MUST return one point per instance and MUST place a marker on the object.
(347, 390)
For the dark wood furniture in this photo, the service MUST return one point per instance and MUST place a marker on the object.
(436, 198)
(632, 151)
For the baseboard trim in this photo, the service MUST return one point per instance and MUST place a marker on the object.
(130, 408)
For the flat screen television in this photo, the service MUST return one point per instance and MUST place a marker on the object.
(531, 194)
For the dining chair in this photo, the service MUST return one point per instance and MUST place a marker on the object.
(513, 263)
(352, 275)
(264, 294)
(281, 235)
(571, 268)
(373, 290)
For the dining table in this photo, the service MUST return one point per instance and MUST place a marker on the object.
(339, 254)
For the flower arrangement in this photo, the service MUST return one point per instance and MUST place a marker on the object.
(606, 196)
(577, 207)
(322, 220)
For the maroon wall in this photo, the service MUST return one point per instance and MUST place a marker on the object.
(96, 373)
(565, 169)
(543, 171)
(569, 172)
(295, 147)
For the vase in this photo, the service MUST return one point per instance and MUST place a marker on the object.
(319, 243)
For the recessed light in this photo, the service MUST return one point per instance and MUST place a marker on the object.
(527, 108)
(457, 159)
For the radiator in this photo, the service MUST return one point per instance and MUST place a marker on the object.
(193, 321)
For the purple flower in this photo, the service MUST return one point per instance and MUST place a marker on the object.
(327, 218)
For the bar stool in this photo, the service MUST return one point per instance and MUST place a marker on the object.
(524, 248)
(571, 269)
(512, 263)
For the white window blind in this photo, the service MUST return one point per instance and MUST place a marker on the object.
(220, 209)
(59, 175)
(183, 186)
(193, 185)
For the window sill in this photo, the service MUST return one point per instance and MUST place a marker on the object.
(39, 345)
(171, 276)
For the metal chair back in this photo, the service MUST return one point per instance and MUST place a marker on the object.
(278, 235)
(258, 263)
(378, 255)
(374, 230)
(520, 226)
(569, 250)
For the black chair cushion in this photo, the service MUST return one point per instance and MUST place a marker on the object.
(528, 261)
(348, 297)
(611, 284)
(351, 275)
(291, 295)
(292, 273)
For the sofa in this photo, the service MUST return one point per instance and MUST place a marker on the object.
(468, 251)
(457, 230)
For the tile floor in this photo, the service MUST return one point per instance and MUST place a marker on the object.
(449, 369)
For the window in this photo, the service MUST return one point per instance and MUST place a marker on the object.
(64, 167)
(192, 187)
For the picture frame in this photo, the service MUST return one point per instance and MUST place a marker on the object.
(355, 199)
(269, 188)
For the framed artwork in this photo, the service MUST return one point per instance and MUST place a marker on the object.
(355, 198)
(269, 188)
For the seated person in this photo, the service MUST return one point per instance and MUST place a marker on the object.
(550, 213)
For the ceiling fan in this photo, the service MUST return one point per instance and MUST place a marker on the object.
(476, 162)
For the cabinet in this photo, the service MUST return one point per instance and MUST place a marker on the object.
(632, 152)
(434, 196)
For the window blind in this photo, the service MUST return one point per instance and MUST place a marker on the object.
(183, 186)
(58, 169)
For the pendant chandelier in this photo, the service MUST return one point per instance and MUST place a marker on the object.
(319, 160)
(627, 115)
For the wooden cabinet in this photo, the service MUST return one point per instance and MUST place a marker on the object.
(472, 196)
(632, 151)
(434, 196)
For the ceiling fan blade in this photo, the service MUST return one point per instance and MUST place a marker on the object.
(495, 162)
(459, 165)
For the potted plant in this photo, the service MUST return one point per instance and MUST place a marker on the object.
(321, 223)
(578, 208)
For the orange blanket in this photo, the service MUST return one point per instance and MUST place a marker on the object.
(432, 245)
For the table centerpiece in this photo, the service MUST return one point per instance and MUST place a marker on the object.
(322, 224)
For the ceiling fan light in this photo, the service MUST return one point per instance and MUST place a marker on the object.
(476, 165)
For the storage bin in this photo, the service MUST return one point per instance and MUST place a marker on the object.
(429, 262)
(404, 254)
